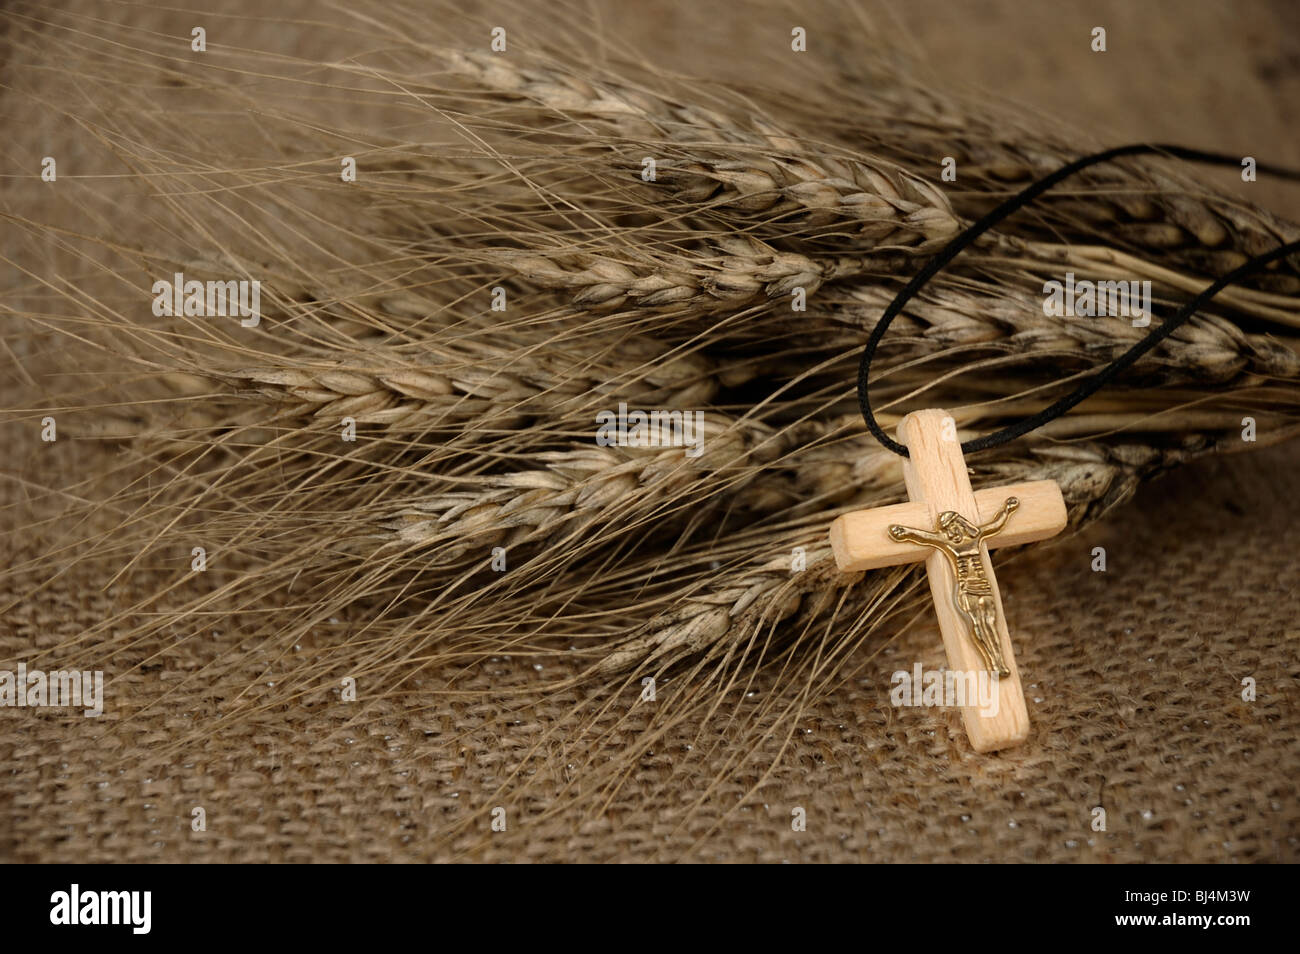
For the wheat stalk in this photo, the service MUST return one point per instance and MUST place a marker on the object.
(729, 169)
(576, 491)
(1141, 204)
(456, 388)
(738, 271)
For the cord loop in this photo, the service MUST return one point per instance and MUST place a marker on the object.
(1120, 364)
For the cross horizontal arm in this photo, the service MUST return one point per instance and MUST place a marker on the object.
(861, 539)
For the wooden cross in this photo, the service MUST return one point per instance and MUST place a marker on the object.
(951, 527)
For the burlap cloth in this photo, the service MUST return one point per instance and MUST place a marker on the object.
(1134, 678)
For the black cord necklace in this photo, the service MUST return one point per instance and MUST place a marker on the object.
(952, 526)
(1099, 380)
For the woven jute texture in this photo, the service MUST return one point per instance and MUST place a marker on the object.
(1134, 678)
(1134, 675)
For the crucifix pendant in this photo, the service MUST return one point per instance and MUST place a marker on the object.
(952, 527)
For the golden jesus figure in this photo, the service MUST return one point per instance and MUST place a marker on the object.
(959, 540)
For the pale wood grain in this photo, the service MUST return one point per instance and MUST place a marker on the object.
(937, 481)
(936, 474)
(861, 539)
